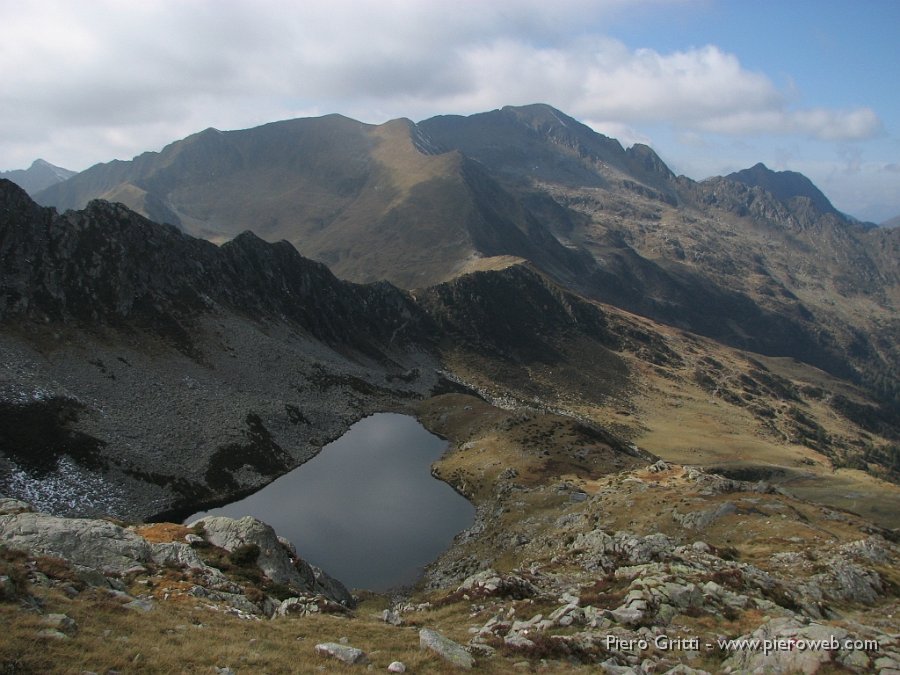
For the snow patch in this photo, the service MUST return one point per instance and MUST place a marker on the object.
(69, 490)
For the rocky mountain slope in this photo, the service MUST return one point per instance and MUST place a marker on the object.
(145, 373)
(143, 368)
(373, 202)
(39, 176)
(238, 362)
(723, 258)
(783, 185)
(759, 260)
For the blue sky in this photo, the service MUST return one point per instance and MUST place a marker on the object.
(712, 85)
(826, 54)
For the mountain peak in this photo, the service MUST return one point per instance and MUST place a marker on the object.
(783, 185)
(540, 112)
(41, 174)
(643, 158)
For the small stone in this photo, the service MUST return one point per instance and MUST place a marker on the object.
(627, 615)
(665, 614)
(342, 652)
(856, 659)
(7, 588)
(52, 634)
(887, 663)
(391, 617)
(9, 507)
(570, 599)
(62, 623)
(397, 667)
(517, 641)
(139, 605)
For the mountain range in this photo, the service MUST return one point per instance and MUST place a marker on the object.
(673, 404)
(516, 242)
(516, 238)
(758, 259)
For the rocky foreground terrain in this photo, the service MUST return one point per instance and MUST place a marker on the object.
(657, 569)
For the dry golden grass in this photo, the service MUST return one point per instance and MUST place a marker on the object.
(663, 408)
(490, 264)
(192, 638)
(161, 533)
(681, 422)
(539, 448)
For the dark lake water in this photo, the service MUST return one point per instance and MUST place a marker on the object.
(366, 508)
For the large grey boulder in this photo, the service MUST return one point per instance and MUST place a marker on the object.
(599, 550)
(97, 544)
(176, 554)
(447, 649)
(699, 520)
(97, 547)
(798, 648)
(344, 653)
(275, 558)
(492, 583)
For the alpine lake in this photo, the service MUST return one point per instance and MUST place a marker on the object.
(366, 509)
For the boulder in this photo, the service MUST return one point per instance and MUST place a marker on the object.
(392, 617)
(609, 552)
(97, 544)
(309, 604)
(182, 555)
(785, 656)
(10, 506)
(698, 520)
(344, 653)
(491, 583)
(447, 649)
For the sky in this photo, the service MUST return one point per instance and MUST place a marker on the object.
(713, 86)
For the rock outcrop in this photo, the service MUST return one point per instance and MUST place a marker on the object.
(102, 553)
(276, 560)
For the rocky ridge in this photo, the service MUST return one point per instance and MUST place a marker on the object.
(236, 363)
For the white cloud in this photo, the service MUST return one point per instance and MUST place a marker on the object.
(818, 123)
(624, 133)
(93, 80)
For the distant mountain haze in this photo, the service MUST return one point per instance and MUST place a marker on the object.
(41, 174)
